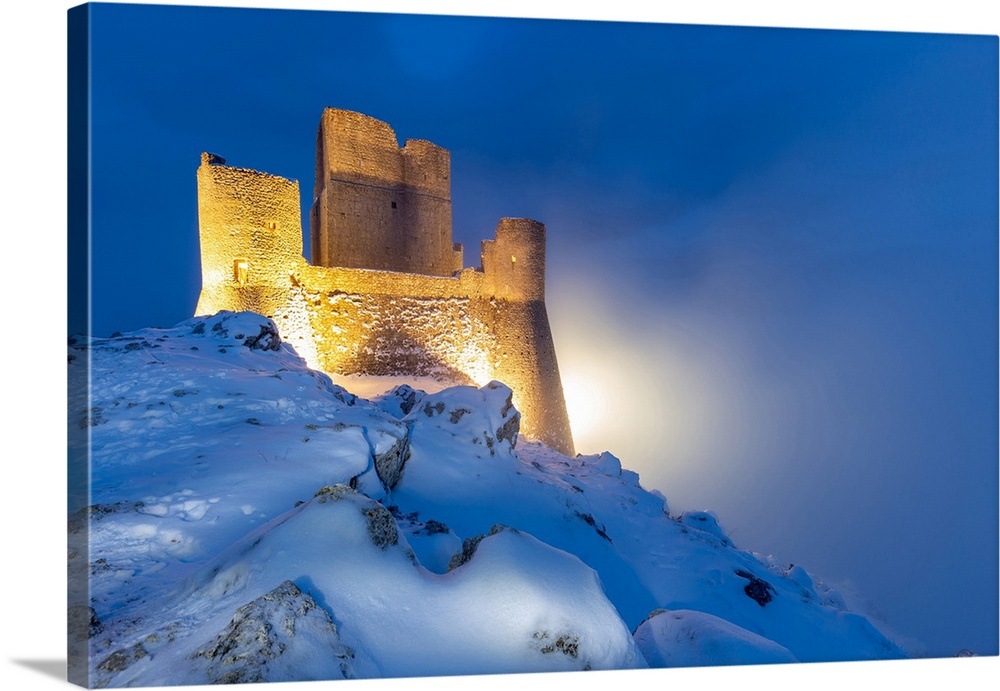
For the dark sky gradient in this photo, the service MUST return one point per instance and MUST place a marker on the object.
(772, 252)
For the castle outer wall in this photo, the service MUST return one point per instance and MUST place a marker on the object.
(466, 327)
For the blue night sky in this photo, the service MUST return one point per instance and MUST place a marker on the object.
(772, 252)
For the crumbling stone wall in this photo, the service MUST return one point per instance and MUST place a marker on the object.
(462, 327)
(377, 206)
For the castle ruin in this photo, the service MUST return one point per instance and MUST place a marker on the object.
(386, 293)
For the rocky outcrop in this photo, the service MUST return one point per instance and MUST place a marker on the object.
(470, 544)
(389, 461)
(485, 416)
(267, 339)
(269, 635)
(381, 527)
(399, 401)
(758, 590)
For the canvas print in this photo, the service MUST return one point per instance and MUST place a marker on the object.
(411, 346)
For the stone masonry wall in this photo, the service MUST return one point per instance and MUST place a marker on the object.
(251, 237)
(377, 206)
(453, 329)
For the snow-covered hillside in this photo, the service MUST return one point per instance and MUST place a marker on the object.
(251, 521)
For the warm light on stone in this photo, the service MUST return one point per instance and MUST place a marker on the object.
(387, 295)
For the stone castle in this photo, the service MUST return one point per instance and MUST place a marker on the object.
(386, 294)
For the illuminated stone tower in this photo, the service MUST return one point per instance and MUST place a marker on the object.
(251, 237)
(386, 294)
(377, 206)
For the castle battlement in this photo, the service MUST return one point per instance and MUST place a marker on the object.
(386, 293)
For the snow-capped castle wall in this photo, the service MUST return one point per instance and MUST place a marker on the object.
(386, 293)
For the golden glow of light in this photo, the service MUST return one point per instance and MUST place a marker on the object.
(585, 403)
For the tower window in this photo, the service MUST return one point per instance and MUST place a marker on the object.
(513, 260)
(394, 205)
(240, 270)
(271, 225)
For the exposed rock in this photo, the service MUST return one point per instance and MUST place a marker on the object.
(565, 643)
(411, 521)
(430, 409)
(123, 658)
(589, 520)
(389, 463)
(250, 648)
(511, 426)
(485, 416)
(267, 339)
(399, 401)
(343, 395)
(381, 527)
(333, 493)
(457, 414)
(470, 544)
(509, 430)
(758, 590)
(432, 527)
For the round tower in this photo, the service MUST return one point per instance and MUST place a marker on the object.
(523, 355)
(514, 262)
